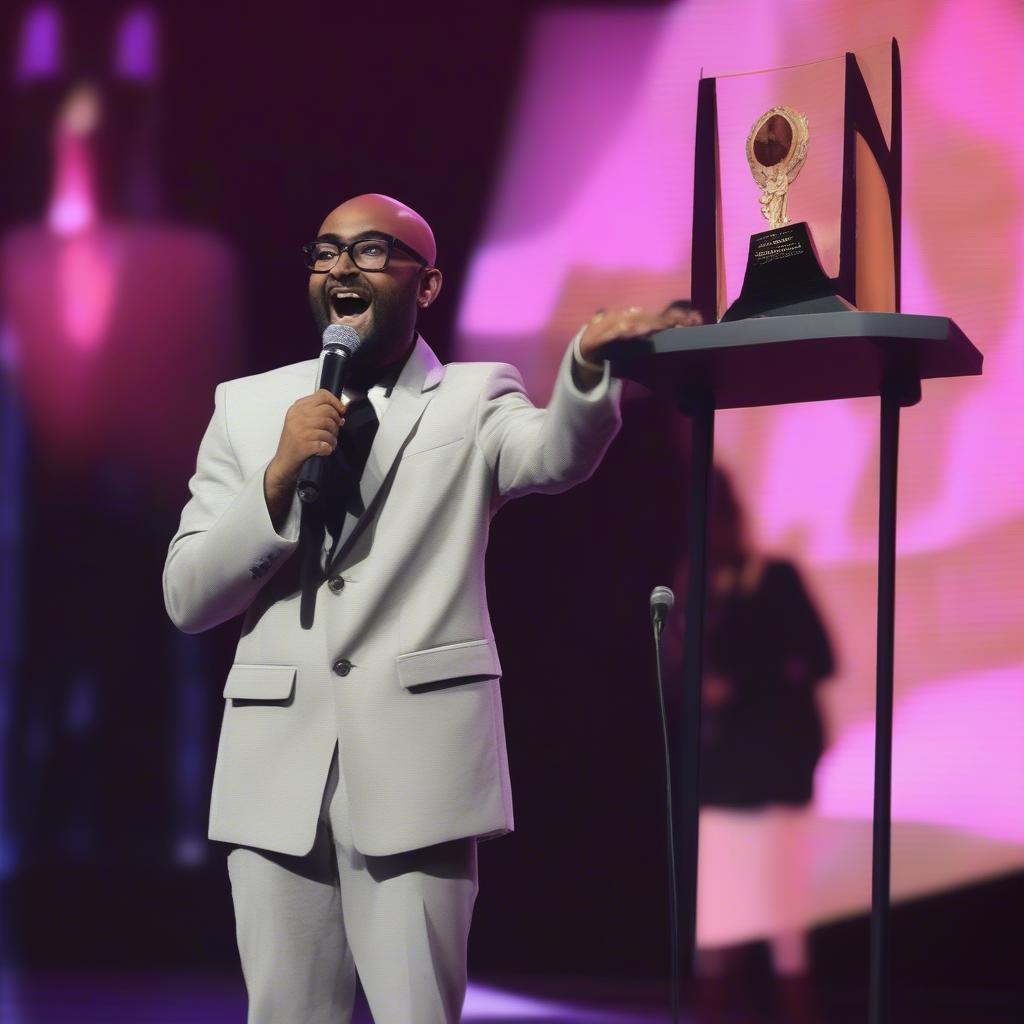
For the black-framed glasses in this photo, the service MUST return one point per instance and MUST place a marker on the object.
(372, 254)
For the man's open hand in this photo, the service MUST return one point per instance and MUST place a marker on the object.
(620, 325)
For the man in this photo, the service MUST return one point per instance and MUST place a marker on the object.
(362, 750)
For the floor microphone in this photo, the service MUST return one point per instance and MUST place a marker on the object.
(662, 600)
(340, 342)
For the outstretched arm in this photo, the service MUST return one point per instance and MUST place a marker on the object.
(546, 450)
(551, 449)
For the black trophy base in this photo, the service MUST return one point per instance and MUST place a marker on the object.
(784, 278)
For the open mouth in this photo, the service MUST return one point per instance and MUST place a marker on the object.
(347, 305)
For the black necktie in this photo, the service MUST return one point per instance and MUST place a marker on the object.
(340, 496)
(347, 463)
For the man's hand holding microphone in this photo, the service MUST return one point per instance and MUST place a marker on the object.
(311, 427)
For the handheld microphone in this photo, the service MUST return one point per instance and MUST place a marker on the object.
(662, 600)
(340, 342)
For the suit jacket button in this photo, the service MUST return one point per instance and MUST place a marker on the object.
(336, 584)
(342, 667)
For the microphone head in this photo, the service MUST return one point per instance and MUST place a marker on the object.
(342, 336)
(662, 599)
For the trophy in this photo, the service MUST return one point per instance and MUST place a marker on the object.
(784, 274)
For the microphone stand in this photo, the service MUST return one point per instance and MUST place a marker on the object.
(658, 613)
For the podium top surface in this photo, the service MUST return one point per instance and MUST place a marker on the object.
(812, 357)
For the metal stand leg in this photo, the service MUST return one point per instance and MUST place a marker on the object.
(703, 418)
(878, 991)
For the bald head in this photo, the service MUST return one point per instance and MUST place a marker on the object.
(374, 212)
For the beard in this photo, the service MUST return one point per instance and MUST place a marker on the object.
(387, 330)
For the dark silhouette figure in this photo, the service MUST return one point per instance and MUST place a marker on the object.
(766, 652)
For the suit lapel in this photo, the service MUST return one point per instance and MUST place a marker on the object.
(412, 393)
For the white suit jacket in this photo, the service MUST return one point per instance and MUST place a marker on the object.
(399, 668)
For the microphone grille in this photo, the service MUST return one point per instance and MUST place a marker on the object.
(343, 336)
(662, 597)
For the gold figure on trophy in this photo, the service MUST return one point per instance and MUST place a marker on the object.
(776, 150)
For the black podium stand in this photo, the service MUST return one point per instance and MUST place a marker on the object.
(773, 361)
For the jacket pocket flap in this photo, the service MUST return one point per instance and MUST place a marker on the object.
(260, 682)
(474, 658)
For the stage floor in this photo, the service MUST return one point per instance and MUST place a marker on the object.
(104, 997)
(197, 997)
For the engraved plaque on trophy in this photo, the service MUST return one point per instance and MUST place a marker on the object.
(784, 274)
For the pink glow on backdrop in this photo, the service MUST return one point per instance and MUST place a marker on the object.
(949, 783)
(87, 280)
(77, 292)
(585, 154)
(73, 203)
(602, 147)
(85, 303)
(84, 262)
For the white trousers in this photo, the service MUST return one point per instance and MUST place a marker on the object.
(307, 925)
